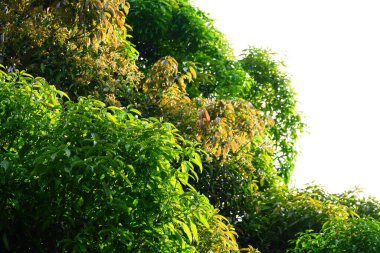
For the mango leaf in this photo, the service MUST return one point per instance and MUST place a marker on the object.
(187, 231)
(194, 231)
(202, 219)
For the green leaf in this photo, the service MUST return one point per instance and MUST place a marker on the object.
(194, 231)
(135, 111)
(197, 160)
(202, 219)
(180, 239)
(24, 74)
(187, 231)
(111, 117)
(114, 108)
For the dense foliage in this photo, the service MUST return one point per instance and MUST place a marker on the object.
(273, 94)
(275, 216)
(149, 136)
(228, 130)
(72, 180)
(351, 235)
(78, 46)
(178, 29)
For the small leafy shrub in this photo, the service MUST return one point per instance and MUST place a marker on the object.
(353, 235)
(275, 216)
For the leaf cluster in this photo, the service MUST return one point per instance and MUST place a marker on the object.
(79, 46)
(271, 92)
(341, 235)
(277, 215)
(176, 28)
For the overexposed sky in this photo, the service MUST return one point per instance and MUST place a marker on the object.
(332, 50)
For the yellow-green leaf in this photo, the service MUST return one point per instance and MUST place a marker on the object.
(202, 219)
(194, 231)
(111, 117)
(193, 72)
(187, 231)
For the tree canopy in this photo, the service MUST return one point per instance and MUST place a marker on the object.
(78, 46)
(272, 93)
(131, 127)
(73, 170)
(178, 29)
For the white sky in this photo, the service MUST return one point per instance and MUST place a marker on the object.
(332, 50)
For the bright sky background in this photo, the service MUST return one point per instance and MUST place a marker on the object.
(332, 50)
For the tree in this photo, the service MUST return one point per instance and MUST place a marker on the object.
(72, 181)
(277, 215)
(237, 159)
(343, 235)
(210, 133)
(79, 46)
(176, 28)
(272, 93)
